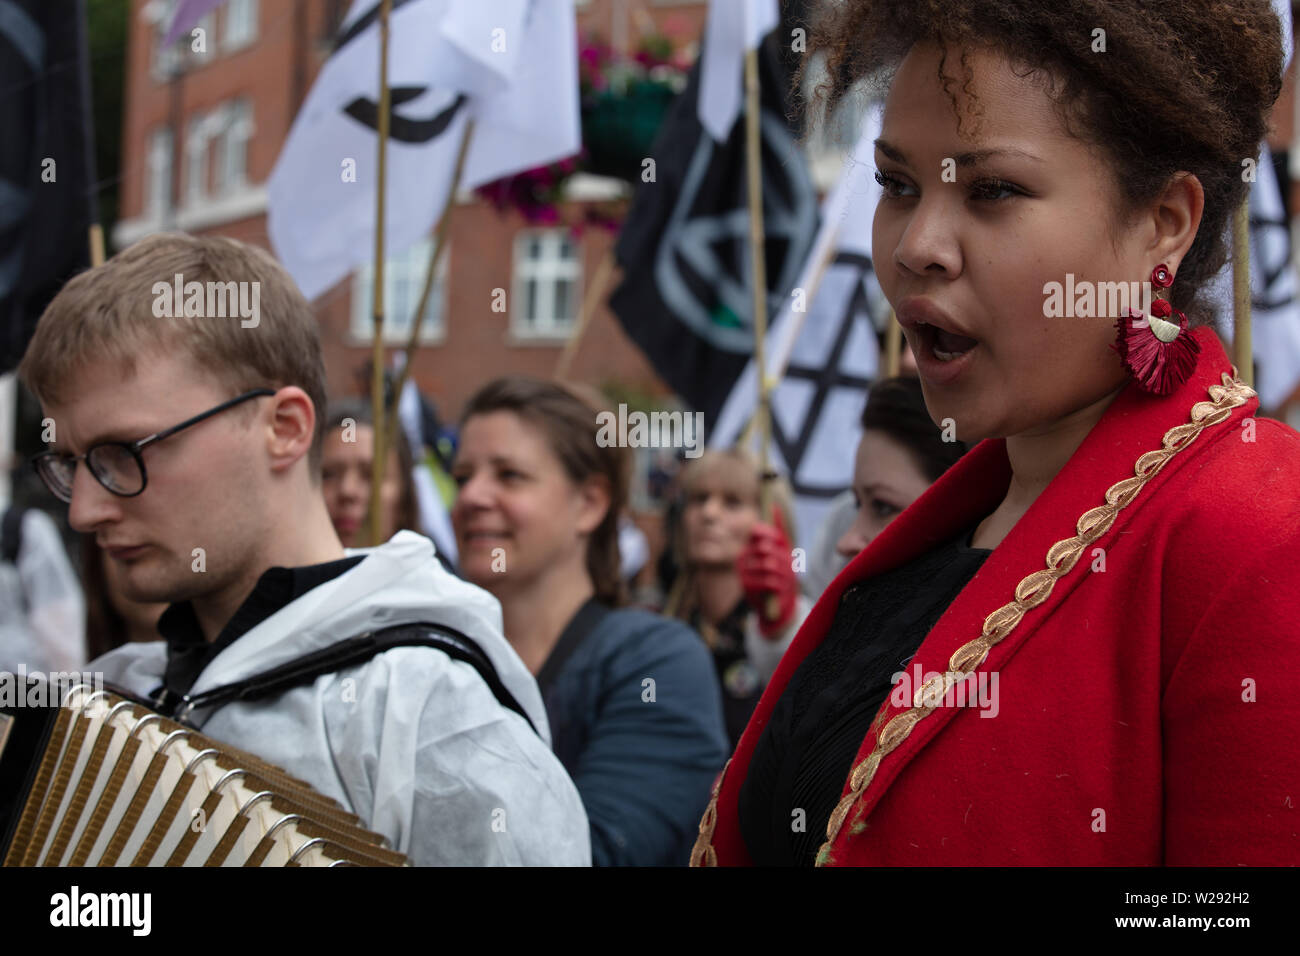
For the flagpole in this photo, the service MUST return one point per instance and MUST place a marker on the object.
(893, 346)
(595, 291)
(758, 270)
(96, 229)
(377, 351)
(1243, 354)
(435, 256)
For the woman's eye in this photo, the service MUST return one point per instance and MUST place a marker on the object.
(883, 509)
(991, 190)
(460, 478)
(890, 184)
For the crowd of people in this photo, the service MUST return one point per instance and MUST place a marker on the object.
(1105, 528)
(595, 727)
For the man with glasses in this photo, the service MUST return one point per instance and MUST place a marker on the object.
(190, 447)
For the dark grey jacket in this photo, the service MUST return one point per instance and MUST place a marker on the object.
(636, 719)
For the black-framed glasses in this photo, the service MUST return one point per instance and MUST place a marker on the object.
(118, 465)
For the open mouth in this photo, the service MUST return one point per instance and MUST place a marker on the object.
(942, 344)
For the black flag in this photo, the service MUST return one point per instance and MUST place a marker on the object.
(44, 175)
(686, 297)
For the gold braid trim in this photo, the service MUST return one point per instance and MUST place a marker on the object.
(703, 854)
(1032, 590)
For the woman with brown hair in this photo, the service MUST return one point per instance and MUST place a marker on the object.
(634, 714)
(1128, 630)
(347, 457)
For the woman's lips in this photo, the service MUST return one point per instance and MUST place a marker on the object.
(934, 369)
(127, 553)
(487, 537)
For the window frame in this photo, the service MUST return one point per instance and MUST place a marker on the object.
(408, 267)
(548, 271)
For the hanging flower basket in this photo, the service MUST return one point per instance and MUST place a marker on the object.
(624, 101)
(618, 129)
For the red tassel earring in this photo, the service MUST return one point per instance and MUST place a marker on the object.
(1159, 352)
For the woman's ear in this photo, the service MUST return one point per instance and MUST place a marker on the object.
(594, 503)
(1176, 217)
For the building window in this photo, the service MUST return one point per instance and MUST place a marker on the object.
(234, 130)
(547, 284)
(241, 24)
(158, 189)
(197, 135)
(180, 54)
(403, 281)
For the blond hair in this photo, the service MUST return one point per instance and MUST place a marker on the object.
(110, 314)
(740, 467)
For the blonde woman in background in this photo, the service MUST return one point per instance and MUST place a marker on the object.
(730, 561)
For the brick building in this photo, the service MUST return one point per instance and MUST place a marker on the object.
(203, 131)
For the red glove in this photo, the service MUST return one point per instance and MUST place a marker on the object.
(766, 569)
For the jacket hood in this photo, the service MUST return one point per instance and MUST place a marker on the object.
(399, 582)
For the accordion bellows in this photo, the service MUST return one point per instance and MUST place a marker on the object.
(118, 785)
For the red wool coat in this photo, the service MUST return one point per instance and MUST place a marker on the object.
(1147, 706)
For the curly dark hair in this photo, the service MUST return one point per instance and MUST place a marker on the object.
(1184, 85)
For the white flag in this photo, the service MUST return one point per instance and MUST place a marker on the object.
(823, 345)
(511, 66)
(734, 26)
(435, 522)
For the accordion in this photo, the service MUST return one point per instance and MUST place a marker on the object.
(101, 780)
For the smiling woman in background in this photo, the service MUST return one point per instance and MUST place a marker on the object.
(1130, 625)
(634, 713)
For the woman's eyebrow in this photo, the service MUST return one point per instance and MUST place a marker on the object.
(969, 158)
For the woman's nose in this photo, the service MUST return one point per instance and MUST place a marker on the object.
(928, 243)
(353, 485)
(855, 540)
(474, 492)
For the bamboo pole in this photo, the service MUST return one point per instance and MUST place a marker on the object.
(375, 530)
(96, 239)
(590, 300)
(1243, 353)
(435, 256)
(893, 346)
(758, 271)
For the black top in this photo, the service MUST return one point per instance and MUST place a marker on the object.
(741, 684)
(806, 751)
(187, 650)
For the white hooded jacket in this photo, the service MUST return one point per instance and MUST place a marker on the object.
(411, 741)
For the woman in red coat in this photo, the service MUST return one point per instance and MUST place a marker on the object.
(1080, 646)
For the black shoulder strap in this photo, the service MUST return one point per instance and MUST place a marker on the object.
(584, 622)
(11, 534)
(348, 653)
